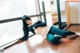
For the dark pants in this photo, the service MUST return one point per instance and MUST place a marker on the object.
(56, 39)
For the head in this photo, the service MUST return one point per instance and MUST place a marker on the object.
(26, 20)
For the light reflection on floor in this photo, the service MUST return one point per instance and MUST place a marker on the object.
(35, 40)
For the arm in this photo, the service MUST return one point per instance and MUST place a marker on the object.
(39, 24)
(26, 33)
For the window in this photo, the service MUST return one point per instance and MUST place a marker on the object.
(11, 9)
(47, 9)
(10, 31)
(16, 8)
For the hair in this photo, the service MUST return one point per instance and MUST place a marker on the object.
(24, 18)
(39, 24)
(25, 25)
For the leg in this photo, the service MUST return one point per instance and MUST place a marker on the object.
(62, 33)
(53, 39)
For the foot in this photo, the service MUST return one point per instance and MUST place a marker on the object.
(78, 34)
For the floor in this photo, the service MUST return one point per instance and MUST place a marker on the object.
(74, 28)
(37, 44)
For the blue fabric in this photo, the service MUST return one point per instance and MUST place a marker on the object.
(57, 31)
(56, 39)
(31, 29)
(53, 39)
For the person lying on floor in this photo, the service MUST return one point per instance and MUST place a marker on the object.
(43, 30)
(53, 34)
(49, 33)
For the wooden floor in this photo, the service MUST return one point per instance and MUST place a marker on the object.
(75, 28)
(71, 46)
